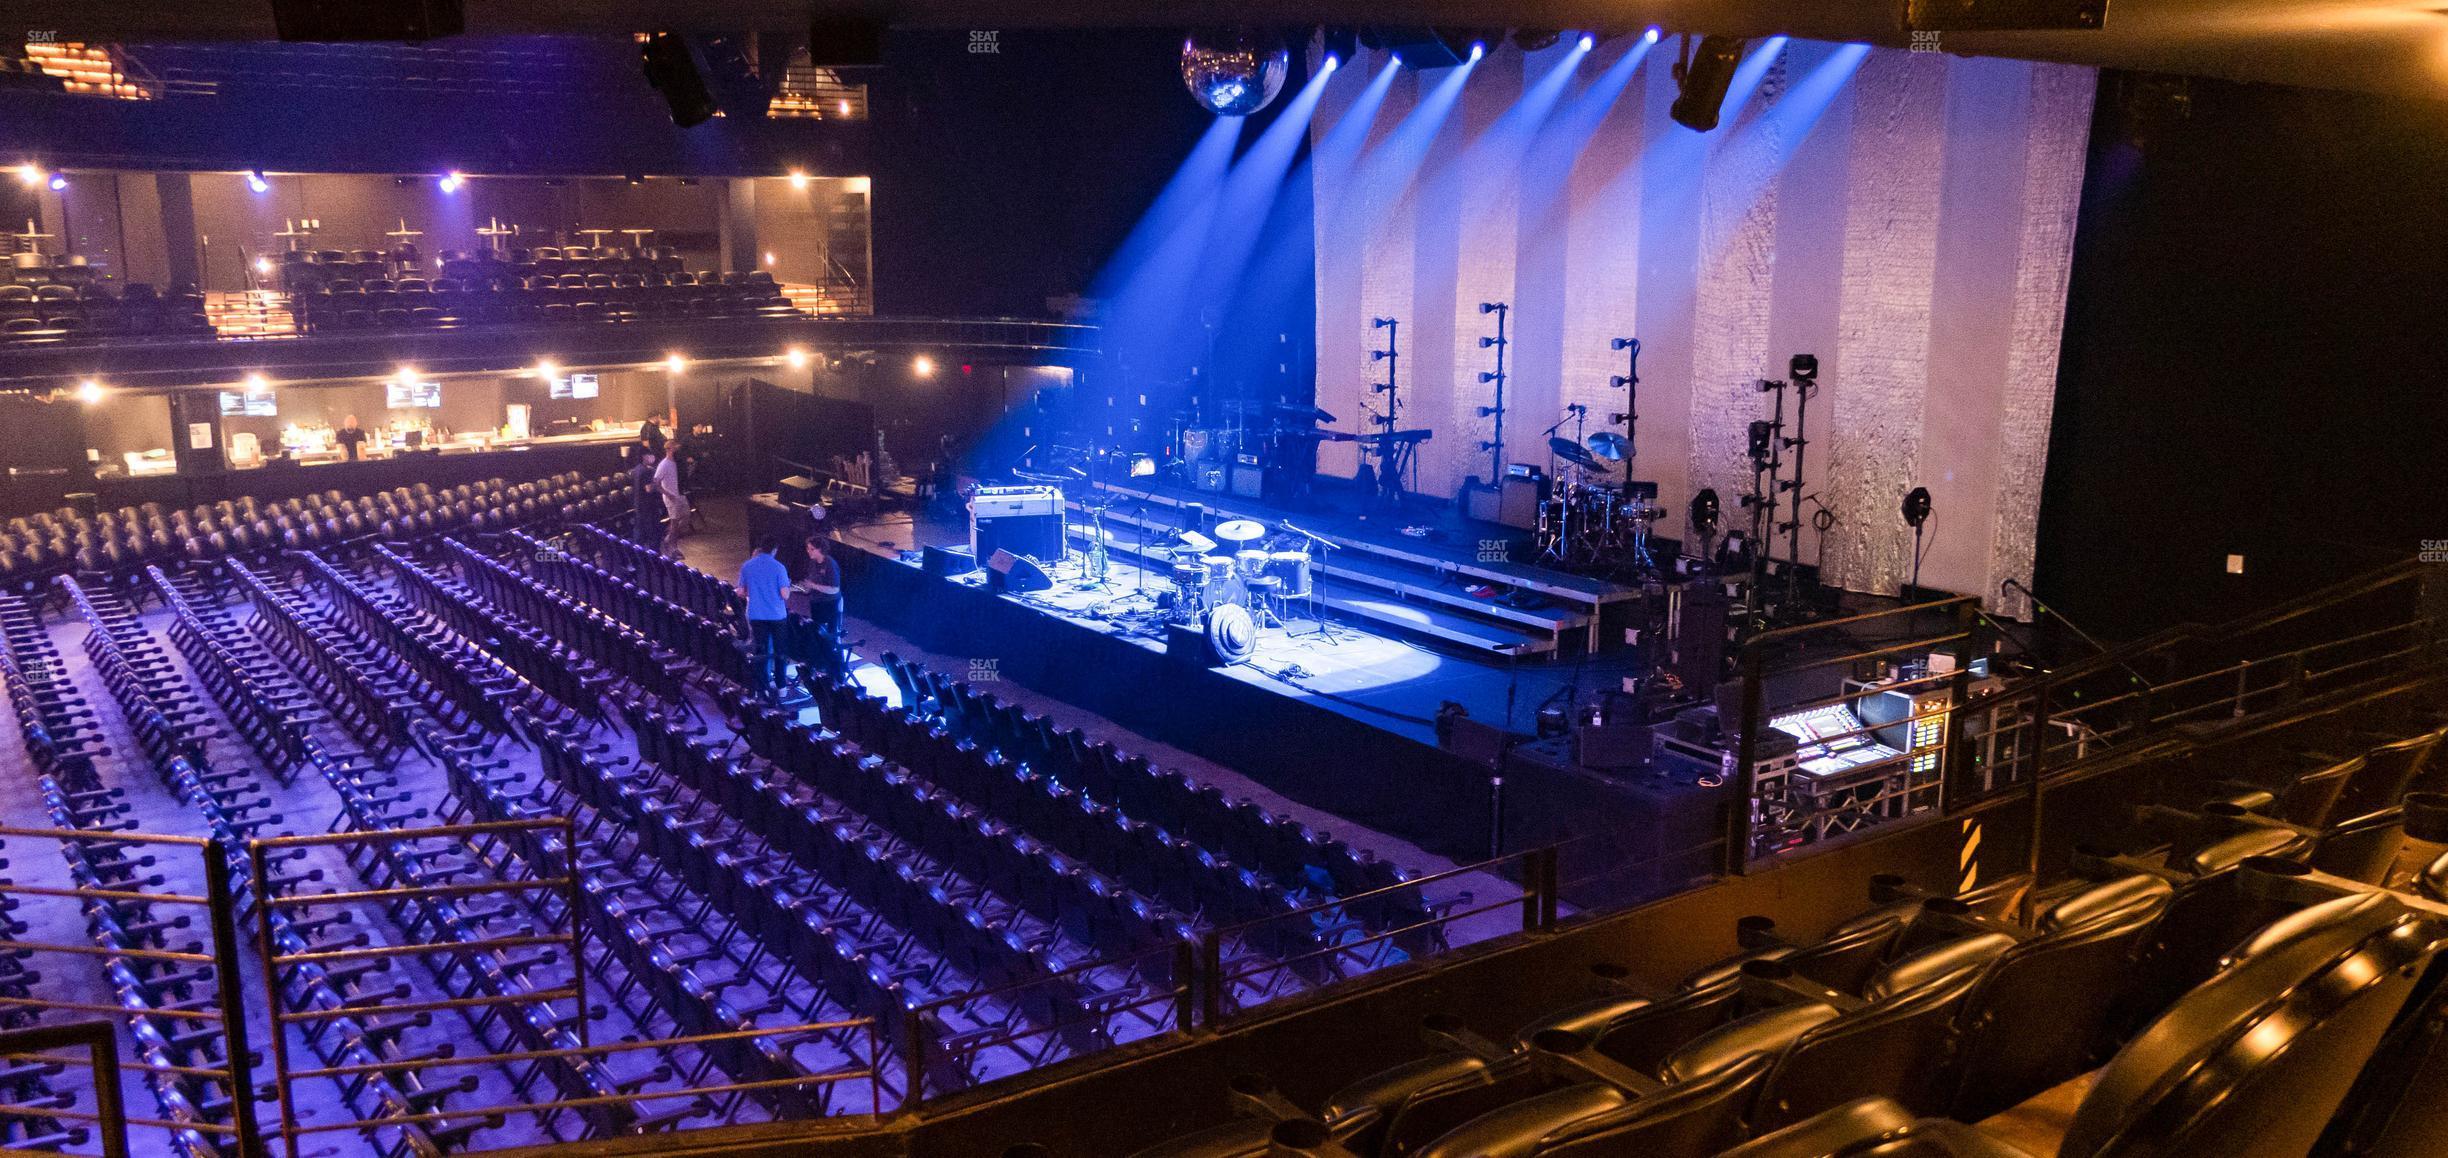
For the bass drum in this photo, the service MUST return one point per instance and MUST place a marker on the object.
(1196, 444)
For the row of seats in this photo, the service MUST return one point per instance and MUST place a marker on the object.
(649, 934)
(72, 312)
(1943, 1010)
(63, 738)
(1306, 862)
(470, 689)
(669, 579)
(618, 647)
(551, 665)
(173, 727)
(279, 716)
(469, 758)
(304, 269)
(111, 547)
(347, 304)
(718, 646)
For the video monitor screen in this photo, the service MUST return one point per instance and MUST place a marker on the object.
(254, 405)
(409, 395)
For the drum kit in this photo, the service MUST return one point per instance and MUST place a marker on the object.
(1590, 522)
(1236, 568)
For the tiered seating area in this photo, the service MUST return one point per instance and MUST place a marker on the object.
(366, 290)
(2173, 960)
(60, 299)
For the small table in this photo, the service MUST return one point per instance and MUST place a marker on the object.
(637, 237)
(595, 236)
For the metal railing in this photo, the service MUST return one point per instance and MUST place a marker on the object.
(148, 1056)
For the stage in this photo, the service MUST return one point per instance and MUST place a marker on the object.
(1340, 721)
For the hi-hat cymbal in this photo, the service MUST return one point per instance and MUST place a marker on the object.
(1572, 452)
(1610, 446)
(1240, 530)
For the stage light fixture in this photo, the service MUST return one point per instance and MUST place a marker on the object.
(1651, 36)
(672, 70)
(1478, 49)
(1804, 369)
(1588, 42)
(797, 356)
(547, 371)
(675, 363)
(1702, 81)
(451, 181)
(1332, 63)
(407, 373)
(769, 257)
(58, 182)
(256, 182)
(1705, 511)
(1233, 72)
(89, 392)
(922, 366)
(798, 178)
(257, 383)
(30, 173)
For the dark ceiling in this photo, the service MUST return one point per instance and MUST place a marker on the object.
(2394, 46)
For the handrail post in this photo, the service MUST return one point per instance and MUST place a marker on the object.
(1185, 984)
(1211, 979)
(1742, 807)
(913, 1059)
(109, 1100)
(229, 991)
(2038, 771)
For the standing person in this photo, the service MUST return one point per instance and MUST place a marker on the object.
(349, 437)
(650, 436)
(675, 504)
(763, 584)
(647, 501)
(820, 587)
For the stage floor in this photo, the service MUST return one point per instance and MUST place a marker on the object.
(1392, 684)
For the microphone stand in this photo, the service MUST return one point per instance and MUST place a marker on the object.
(1317, 578)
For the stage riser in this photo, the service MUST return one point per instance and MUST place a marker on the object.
(1297, 747)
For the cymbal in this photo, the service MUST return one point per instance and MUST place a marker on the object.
(1610, 446)
(1240, 530)
(1572, 452)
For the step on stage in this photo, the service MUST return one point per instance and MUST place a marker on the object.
(1340, 718)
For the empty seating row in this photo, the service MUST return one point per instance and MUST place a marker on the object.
(717, 646)
(707, 594)
(554, 667)
(541, 298)
(301, 269)
(1286, 850)
(78, 311)
(166, 720)
(617, 646)
(504, 1001)
(479, 688)
(62, 734)
(109, 548)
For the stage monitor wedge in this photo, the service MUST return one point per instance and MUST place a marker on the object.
(1008, 572)
(353, 20)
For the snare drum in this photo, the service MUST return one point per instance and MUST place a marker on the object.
(1249, 564)
(1189, 578)
(1292, 567)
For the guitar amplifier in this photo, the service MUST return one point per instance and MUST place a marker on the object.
(1207, 476)
(1022, 520)
(1248, 479)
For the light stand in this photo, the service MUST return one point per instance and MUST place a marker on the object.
(1804, 371)
(1629, 383)
(1495, 446)
(1389, 489)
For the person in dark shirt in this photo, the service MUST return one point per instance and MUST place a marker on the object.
(648, 500)
(349, 436)
(817, 596)
(650, 436)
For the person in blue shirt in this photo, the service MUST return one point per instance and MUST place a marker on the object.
(764, 582)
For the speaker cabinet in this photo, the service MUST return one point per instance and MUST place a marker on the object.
(1008, 572)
